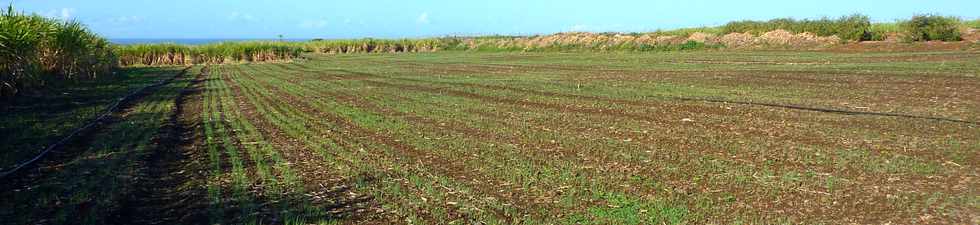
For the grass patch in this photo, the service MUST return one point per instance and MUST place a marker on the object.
(621, 209)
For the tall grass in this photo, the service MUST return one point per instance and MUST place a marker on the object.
(35, 51)
(153, 54)
(684, 32)
(880, 31)
(370, 45)
(975, 24)
(582, 45)
(175, 54)
(853, 27)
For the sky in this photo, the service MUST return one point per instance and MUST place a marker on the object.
(429, 18)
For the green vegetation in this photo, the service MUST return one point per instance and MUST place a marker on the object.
(174, 54)
(932, 28)
(684, 32)
(370, 45)
(91, 187)
(543, 137)
(30, 123)
(597, 44)
(923, 28)
(975, 24)
(36, 51)
(493, 129)
(854, 27)
(520, 137)
(880, 31)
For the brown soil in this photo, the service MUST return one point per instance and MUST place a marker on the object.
(167, 193)
(971, 35)
(881, 46)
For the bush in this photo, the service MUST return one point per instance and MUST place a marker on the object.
(855, 27)
(932, 28)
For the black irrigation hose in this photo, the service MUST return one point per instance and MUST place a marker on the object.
(825, 110)
(106, 114)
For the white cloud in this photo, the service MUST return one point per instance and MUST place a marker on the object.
(126, 19)
(313, 24)
(423, 18)
(63, 13)
(66, 12)
(237, 16)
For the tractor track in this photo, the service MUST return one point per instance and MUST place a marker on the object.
(165, 195)
(44, 167)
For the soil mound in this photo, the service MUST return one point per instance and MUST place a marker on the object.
(971, 35)
(737, 40)
(701, 37)
(805, 39)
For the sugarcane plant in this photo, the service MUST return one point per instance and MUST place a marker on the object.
(35, 51)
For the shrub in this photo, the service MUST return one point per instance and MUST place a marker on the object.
(855, 27)
(932, 28)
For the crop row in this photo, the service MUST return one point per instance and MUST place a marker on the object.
(529, 146)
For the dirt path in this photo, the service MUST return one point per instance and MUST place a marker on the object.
(116, 114)
(167, 194)
(50, 172)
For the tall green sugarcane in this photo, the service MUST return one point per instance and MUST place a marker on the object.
(34, 50)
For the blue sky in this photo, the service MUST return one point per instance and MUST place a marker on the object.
(426, 18)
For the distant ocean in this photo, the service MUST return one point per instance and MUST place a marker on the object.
(130, 41)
